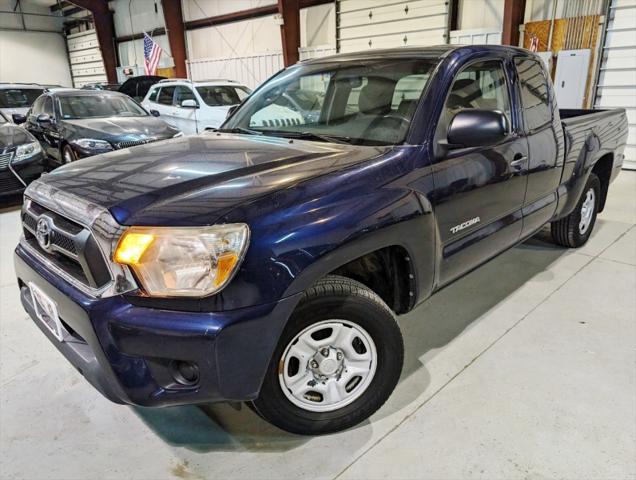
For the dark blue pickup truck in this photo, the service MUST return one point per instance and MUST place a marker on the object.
(266, 262)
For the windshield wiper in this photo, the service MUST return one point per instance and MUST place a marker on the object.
(246, 131)
(310, 136)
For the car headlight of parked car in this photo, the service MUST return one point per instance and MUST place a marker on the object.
(92, 144)
(183, 261)
(26, 151)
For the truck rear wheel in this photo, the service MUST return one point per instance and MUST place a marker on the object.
(575, 229)
(337, 361)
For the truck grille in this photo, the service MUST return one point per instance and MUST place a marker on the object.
(5, 159)
(68, 245)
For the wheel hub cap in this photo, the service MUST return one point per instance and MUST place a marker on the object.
(327, 362)
(587, 211)
(328, 365)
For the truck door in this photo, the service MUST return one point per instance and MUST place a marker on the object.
(543, 131)
(479, 191)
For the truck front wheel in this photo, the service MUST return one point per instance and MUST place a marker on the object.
(575, 229)
(337, 362)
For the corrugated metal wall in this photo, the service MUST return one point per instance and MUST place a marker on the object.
(617, 77)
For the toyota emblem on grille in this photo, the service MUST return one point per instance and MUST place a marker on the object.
(43, 233)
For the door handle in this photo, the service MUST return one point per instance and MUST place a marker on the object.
(518, 162)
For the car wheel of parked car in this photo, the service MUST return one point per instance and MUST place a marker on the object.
(337, 362)
(574, 230)
(68, 155)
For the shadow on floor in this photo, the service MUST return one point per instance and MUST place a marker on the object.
(430, 326)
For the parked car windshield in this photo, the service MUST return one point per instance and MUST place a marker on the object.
(94, 106)
(222, 95)
(370, 104)
(19, 97)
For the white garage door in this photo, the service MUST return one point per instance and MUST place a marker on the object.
(85, 56)
(617, 78)
(364, 24)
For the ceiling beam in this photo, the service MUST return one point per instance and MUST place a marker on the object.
(105, 29)
(514, 13)
(173, 16)
(290, 30)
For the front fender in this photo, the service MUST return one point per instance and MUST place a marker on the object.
(304, 242)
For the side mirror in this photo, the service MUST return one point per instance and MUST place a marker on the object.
(189, 104)
(44, 120)
(476, 127)
(154, 113)
(18, 118)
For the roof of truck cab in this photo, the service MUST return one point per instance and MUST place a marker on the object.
(436, 51)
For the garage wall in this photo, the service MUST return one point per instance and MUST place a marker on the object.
(139, 16)
(617, 77)
(318, 26)
(364, 24)
(477, 14)
(32, 56)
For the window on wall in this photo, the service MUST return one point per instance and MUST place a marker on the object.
(480, 85)
(534, 94)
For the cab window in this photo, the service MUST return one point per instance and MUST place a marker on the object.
(534, 94)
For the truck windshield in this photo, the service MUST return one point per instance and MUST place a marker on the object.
(94, 106)
(368, 104)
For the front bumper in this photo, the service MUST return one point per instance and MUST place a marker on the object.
(28, 171)
(127, 352)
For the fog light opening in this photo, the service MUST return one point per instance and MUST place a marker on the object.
(185, 373)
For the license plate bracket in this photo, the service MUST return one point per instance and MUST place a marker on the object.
(46, 311)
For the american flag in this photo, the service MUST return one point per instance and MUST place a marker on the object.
(152, 52)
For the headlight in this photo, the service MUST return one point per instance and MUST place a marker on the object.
(183, 261)
(26, 151)
(92, 144)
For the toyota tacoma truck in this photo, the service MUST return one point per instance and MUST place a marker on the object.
(266, 262)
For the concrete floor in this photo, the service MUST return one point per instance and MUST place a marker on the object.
(524, 369)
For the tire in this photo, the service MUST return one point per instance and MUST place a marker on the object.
(355, 313)
(575, 229)
(68, 155)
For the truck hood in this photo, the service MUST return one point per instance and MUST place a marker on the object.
(195, 180)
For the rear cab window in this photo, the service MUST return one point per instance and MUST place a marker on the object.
(535, 94)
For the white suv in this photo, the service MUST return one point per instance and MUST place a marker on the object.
(193, 107)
